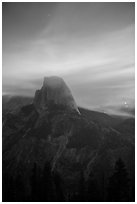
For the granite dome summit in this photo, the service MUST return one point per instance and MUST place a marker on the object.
(50, 136)
(54, 92)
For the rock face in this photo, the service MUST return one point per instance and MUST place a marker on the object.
(54, 92)
(49, 135)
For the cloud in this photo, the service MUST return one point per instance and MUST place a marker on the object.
(94, 54)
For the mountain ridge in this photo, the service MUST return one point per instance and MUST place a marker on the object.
(68, 141)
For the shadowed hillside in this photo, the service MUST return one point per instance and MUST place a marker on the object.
(55, 151)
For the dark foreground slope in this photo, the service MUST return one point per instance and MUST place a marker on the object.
(51, 152)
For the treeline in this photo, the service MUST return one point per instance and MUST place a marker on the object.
(46, 186)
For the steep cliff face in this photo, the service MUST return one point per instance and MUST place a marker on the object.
(51, 129)
(54, 92)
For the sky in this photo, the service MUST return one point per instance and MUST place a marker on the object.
(91, 45)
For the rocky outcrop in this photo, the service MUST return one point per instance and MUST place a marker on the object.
(51, 130)
(53, 93)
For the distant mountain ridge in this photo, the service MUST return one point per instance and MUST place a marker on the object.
(14, 103)
(50, 129)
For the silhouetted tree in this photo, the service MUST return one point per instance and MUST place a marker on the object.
(19, 188)
(132, 197)
(92, 192)
(34, 184)
(81, 193)
(47, 185)
(118, 188)
(58, 184)
(8, 189)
